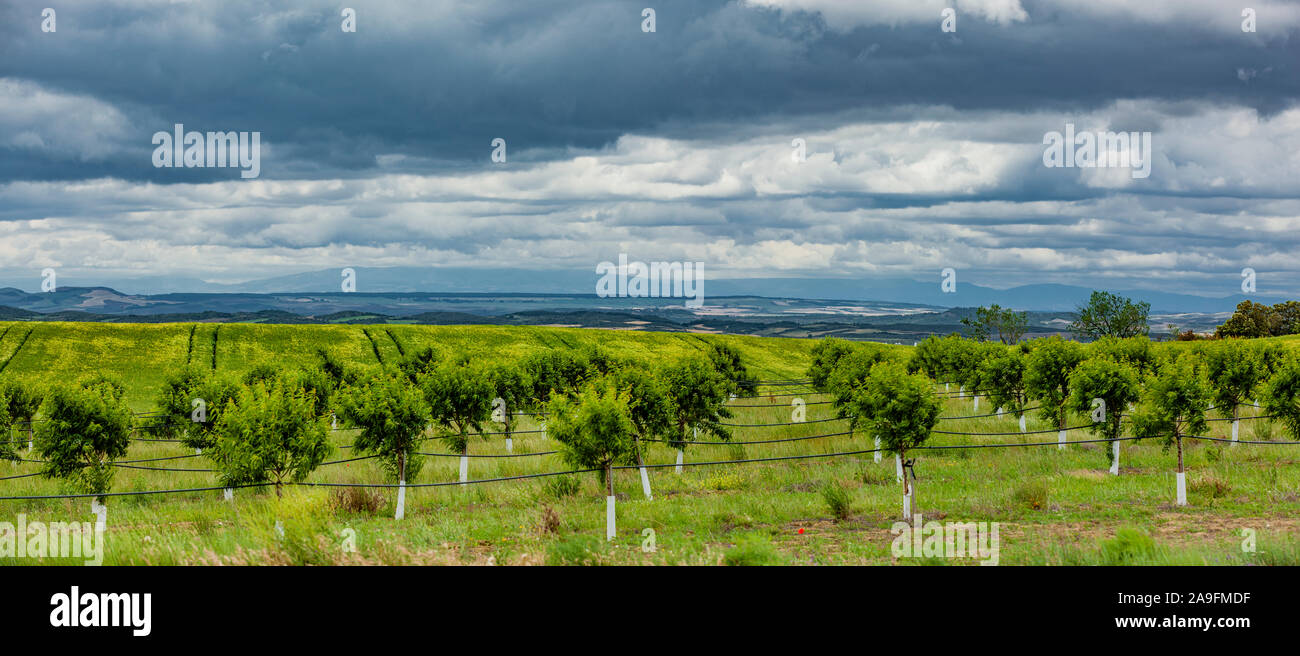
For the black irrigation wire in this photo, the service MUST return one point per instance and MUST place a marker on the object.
(471, 455)
(481, 480)
(991, 414)
(783, 439)
(998, 446)
(1224, 439)
(131, 494)
(745, 460)
(777, 405)
(5, 478)
(1032, 432)
(1244, 418)
(162, 469)
(786, 423)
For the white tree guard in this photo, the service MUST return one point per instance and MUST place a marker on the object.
(877, 454)
(401, 499)
(1060, 440)
(464, 469)
(645, 485)
(1181, 481)
(678, 469)
(609, 518)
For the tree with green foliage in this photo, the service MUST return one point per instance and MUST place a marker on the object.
(460, 399)
(8, 447)
(513, 395)
(699, 402)
(1102, 388)
(420, 362)
(928, 358)
(1047, 377)
(595, 431)
(901, 409)
(1003, 378)
(1251, 320)
(826, 353)
(1137, 352)
(650, 408)
(967, 371)
(189, 404)
(727, 362)
(995, 322)
(86, 429)
(1110, 315)
(1174, 406)
(391, 414)
(340, 374)
(1281, 396)
(850, 373)
(555, 372)
(22, 402)
(269, 433)
(1234, 370)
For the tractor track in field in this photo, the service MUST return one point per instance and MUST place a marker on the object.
(373, 345)
(400, 350)
(16, 349)
(189, 349)
(215, 335)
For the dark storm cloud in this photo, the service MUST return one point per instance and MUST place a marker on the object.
(436, 82)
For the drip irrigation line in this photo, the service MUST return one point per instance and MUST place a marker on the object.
(787, 423)
(1224, 439)
(6, 478)
(131, 494)
(481, 480)
(998, 446)
(745, 460)
(1032, 432)
(734, 443)
(991, 414)
(471, 455)
(777, 405)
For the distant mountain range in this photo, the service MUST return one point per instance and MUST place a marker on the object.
(581, 284)
(751, 315)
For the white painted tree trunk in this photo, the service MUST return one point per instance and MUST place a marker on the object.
(1060, 440)
(945, 387)
(510, 445)
(977, 403)
(1022, 423)
(961, 391)
(877, 449)
(1114, 459)
(401, 499)
(228, 494)
(1001, 411)
(464, 469)
(678, 469)
(898, 468)
(1236, 423)
(609, 518)
(907, 507)
(101, 514)
(645, 485)
(1181, 481)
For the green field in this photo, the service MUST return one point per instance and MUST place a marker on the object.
(1054, 506)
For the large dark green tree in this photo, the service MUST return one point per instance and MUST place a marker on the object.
(1110, 315)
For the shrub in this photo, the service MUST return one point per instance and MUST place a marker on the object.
(752, 550)
(363, 500)
(562, 486)
(1211, 486)
(838, 500)
(1129, 545)
(1035, 494)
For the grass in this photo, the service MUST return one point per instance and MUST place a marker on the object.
(1054, 506)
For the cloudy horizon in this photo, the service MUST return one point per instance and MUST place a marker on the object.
(922, 149)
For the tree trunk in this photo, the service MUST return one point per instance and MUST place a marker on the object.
(1236, 423)
(401, 485)
(1181, 476)
(907, 498)
(610, 528)
(645, 478)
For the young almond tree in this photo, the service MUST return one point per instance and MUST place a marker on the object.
(22, 402)
(727, 362)
(1004, 378)
(902, 409)
(7, 446)
(1102, 388)
(1047, 378)
(391, 414)
(650, 409)
(1234, 369)
(1174, 406)
(968, 372)
(595, 431)
(86, 428)
(460, 399)
(421, 362)
(698, 397)
(1281, 396)
(513, 392)
(851, 372)
(826, 353)
(270, 433)
(189, 403)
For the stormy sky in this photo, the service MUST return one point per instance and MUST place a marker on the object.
(924, 148)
